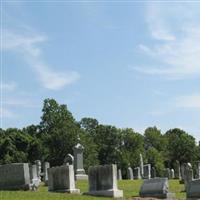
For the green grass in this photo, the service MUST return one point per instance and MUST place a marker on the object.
(131, 189)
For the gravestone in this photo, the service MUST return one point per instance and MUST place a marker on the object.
(141, 166)
(188, 174)
(147, 171)
(153, 172)
(172, 173)
(14, 176)
(130, 173)
(61, 179)
(78, 163)
(103, 181)
(136, 173)
(38, 166)
(193, 190)
(167, 173)
(197, 170)
(69, 160)
(34, 180)
(46, 166)
(119, 174)
(156, 188)
(177, 170)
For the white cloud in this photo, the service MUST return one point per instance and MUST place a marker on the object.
(176, 47)
(28, 46)
(8, 86)
(189, 101)
(5, 113)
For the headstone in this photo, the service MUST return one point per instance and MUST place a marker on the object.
(46, 166)
(119, 174)
(147, 171)
(197, 170)
(34, 180)
(153, 172)
(188, 174)
(103, 181)
(193, 190)
(172, 173)
(61, 179)
(136, 173)
(78, 163)
(141, 166)
(69, 160)
(177, 170)
(156, 188)
(130, 173)
(39, 168)
(14, 176)
(167, 173)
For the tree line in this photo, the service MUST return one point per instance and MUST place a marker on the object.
(58, 132)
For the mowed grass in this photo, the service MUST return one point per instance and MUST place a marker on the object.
(130, 188)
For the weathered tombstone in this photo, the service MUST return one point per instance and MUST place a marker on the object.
(147, 171)
(197, 170)
(103, 181)
(167, 173)
(130, 173)
(38, 165)
(119, 174)
(45, 167)
(78, 163)
(188, 174)
(34, 180)
(69, 160)
(61, 179)
(177, 170)
(153, 172)
(14, 176)
(136, 173)
(172, 173)
(156, 188)
(141, 166)
(193, 190)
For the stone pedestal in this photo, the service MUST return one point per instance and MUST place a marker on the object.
(46, 166)
(78, 163)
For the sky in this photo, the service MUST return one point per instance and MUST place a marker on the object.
(126, 63)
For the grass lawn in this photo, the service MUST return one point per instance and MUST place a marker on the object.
(131, 189)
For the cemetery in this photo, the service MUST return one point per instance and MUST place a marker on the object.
(87, 166)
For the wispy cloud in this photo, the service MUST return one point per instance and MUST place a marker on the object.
(28, 46)
(188, 101)
(5, 113)
(8, 86)
(176, 47)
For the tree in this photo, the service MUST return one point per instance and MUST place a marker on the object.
(180, 146)
(59, 131)
(154, 138)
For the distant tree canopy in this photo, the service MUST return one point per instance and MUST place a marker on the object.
(58, 132)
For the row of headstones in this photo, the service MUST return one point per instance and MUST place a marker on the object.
(103, 182)
(135, 173)
(24, 176)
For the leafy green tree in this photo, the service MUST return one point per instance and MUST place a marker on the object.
(59, 131)
(154, 138)
(180, 146)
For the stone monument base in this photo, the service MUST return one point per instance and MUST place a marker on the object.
(167, 196)
(72, 191)
(106, 193)
(81, 177)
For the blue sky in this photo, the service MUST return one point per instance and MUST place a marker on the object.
(129, 64)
